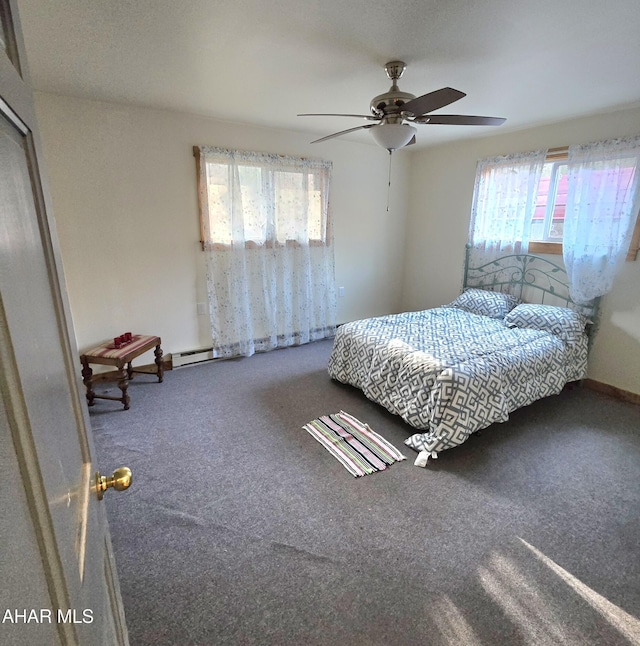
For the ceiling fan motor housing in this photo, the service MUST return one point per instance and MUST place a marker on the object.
(391, 102)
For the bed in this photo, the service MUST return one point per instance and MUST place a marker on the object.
(513, 336)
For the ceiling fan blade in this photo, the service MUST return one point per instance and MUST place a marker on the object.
(459, 120)
(324, 114)
(343, 132)
(432, 101)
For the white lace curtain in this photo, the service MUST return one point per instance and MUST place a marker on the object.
(602, 206)
(504, 201)
(270, 263)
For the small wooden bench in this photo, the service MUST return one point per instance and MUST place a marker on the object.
(109, 355)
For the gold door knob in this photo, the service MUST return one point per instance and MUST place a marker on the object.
(120, 480)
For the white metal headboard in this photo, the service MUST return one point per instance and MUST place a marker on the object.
(530, 278)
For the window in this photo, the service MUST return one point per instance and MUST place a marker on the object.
(547, 227)
(582, 202)
(260, 199)
(551, 202)
(264, 222)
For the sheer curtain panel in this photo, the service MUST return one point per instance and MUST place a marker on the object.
(603, 201)
(267, 235)
(504, 201)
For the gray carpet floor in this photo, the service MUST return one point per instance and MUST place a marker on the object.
(240, 529)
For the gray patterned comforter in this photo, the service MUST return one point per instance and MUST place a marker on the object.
(450, 373)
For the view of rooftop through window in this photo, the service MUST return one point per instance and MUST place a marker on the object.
(551, 203)
(551, 199)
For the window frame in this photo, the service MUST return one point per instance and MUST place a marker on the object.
(271, 240)
(559, 155)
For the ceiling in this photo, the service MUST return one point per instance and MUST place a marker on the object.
(264, 61)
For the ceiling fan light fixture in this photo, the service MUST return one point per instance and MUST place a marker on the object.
(393, 136)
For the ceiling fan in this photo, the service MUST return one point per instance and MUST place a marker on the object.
(395, 111)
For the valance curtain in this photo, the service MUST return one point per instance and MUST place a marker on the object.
(504, 201)
(270, 263)
(603, 201)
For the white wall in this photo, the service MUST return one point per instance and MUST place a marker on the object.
(441, 192)
(123, 186)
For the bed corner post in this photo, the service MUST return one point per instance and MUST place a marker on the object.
(467, 257)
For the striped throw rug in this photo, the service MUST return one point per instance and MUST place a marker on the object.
(359, 449)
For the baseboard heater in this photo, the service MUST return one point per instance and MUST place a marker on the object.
(192, 357)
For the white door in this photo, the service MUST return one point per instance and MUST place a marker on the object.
(57, 575)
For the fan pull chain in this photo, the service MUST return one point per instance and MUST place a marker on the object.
(389, 184)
